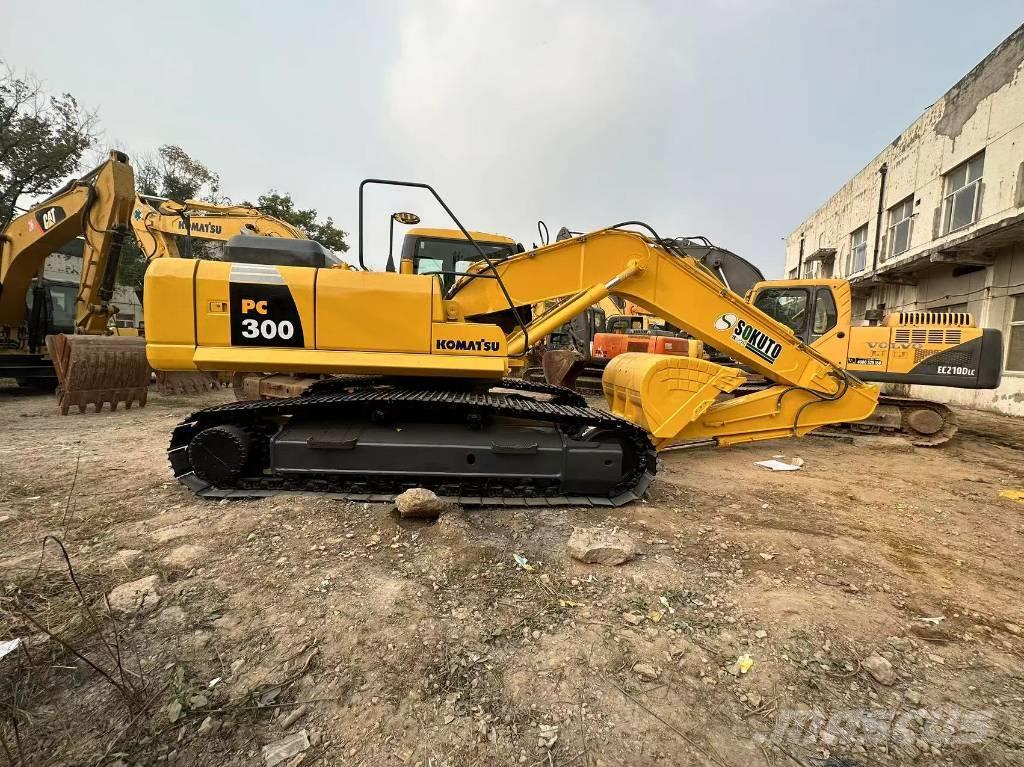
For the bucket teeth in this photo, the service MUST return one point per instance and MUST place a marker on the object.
(98, 370)
(187, 383)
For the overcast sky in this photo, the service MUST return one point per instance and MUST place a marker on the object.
(734, 119)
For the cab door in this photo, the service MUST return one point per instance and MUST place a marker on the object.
(810, 311)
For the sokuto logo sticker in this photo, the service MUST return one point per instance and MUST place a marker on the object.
(725, 322)
(746, 335)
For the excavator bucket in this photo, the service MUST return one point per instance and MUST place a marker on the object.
(99, 369)
(664, 394)
(569, 368)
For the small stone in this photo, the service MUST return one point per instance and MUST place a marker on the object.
(633, 619)
(913, 697)
(173, 711)
(880, 669)
(827, 739)
(761, 634)
(1013, 628)
(198, 701)
(287, 747)
(646, 671)
(120, 560)
(136, 596)
(754, 699)
(296, 714)
(209, 726)
(547, 735)
(174, 616)
(184, 556)
(601, 547)
(420, 503)
(237, 665)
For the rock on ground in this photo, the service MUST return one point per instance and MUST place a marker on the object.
(420, 503)
(601, 547)
(880, 669)
(141, 595)
(184, 556)
(278, 751)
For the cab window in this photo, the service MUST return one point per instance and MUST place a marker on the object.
(825, 314)
(786, 305)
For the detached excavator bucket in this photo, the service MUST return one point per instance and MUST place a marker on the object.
(664, 394)
(99, 369)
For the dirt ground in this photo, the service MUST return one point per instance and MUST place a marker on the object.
(876, 594)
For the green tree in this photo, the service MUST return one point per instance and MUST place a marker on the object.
(42, 138)
(173, 173)
(283, 207)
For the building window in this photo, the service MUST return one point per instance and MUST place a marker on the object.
(793, 274)
(1015, 349)
(859, 249)
(960, 206)
(900, 221)
(949, 309)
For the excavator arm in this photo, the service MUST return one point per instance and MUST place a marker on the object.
(673, 397)
(158, 223)
(95, 207)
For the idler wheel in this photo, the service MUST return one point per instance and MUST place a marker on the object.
(219, 454)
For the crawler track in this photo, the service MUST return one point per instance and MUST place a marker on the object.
(372, 400)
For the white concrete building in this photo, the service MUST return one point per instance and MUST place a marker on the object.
(936, 220)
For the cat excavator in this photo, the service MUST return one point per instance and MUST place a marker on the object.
(92, 364)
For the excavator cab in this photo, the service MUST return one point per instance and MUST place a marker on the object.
(809, 308)
(448, 254)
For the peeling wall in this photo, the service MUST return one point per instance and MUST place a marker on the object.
(982, 112)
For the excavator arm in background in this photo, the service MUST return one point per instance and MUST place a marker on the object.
(160, 225)
(91, 366)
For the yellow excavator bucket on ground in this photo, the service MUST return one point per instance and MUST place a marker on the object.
(99, 369)
(664, 394)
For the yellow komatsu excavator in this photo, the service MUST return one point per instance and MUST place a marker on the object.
(426, 399)
(90, 362)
